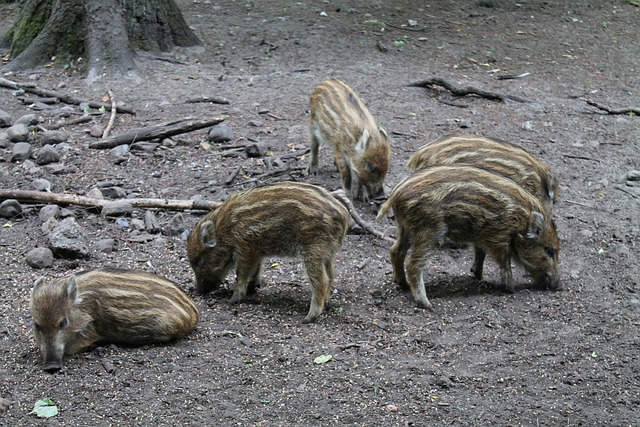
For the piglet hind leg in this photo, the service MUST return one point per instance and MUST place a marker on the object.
(478, 262)
(415, 264)
(398, 255)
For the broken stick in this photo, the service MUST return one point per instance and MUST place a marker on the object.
(154, 132)
(464, 91)
(112, 119)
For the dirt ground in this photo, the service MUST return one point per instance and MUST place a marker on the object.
(532, 358)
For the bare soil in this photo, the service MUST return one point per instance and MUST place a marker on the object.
(533, 358)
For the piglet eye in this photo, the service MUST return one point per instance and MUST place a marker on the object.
(63, 324)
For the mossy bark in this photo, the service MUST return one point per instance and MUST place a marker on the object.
(104, 33)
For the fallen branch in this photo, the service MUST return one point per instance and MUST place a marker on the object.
(629, 110)
(67, 99)
(154, 132)
(464, 91)
(112, 119)
(211, 99)
(28, 196)
(339, 194)
(83, 119)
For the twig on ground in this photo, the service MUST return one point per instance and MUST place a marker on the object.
(79, 120)
(229, 179)
(275, 172)
(211, 99)
(112, 119)
(584, 205)
(340, 195)
(628, 110)
(624, 190)
(464, 91)
(581, 157)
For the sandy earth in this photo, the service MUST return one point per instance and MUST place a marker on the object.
(532, 358)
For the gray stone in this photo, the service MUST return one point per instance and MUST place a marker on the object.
(41, 184)
(633, 175)
(221, 133)
(258, 149)
(144, 146)
(176, 225)
(67, 213)
(106, 245)
(21, 151)
(137, 224)
(39, 258)
(96, 131)
(47, 154)
(18, 133)
(5, 142)
(49, 211)
(54, 137)
(117, 208)
(4, 404)
(95, 193)
(10, 208)
(28, 120)
(151, 222)
(68, 240)
(49, 225)
(114, 192)
(5, 119)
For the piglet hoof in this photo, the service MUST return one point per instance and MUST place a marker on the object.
(425, 305)
(235, 299)
(403, 285)
(309, 319)
(509, 289)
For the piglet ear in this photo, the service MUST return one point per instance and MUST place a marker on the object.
(72, 290)
(536, 225)
(363, 142)
(38, 284)
(208, 234)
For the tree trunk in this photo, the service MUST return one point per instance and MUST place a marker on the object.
(100, 35)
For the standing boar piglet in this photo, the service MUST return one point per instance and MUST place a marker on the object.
(284, 219)
(339, 118)
(107, 305)
(498, 156)
(463, 204)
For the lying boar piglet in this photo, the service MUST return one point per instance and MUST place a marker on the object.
(107, 305)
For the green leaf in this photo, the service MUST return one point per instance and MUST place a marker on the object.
(321, 360)
(45, 408)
